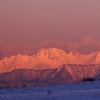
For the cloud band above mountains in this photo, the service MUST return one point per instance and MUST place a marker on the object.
(87, 45)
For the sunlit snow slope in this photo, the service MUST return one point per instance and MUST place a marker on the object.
(47, 59)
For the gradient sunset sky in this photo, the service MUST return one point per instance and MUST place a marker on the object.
(33, 21)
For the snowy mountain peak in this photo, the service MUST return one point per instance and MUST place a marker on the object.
(47, 59)
(50, 51)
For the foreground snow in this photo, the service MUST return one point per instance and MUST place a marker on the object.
(73, 91)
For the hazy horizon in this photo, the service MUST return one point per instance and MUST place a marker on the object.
(68, 24)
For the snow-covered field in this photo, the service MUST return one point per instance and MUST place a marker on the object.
(71, 91)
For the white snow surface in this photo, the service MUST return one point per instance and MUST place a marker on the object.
(70, 91)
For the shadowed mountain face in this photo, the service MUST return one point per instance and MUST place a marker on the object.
(48, 66)
(63, 74)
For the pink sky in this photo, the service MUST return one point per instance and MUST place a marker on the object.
(34, 21)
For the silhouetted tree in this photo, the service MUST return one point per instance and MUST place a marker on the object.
(88, 79)
(49, 92)
(23, 85)
(8, 86)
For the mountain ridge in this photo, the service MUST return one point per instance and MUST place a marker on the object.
(63, 74)
(47, 59)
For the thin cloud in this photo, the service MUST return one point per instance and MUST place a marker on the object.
(87, 45)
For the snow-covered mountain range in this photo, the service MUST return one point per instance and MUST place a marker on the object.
(48, 66)
(47, 59)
